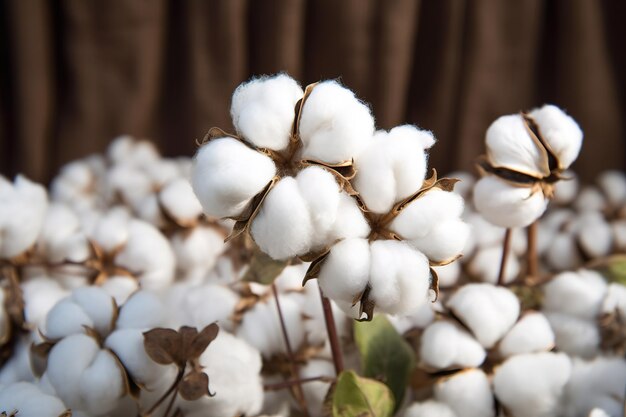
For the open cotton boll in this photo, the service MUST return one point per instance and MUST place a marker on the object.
(566, 190)
(590, 198)
(148, 254)
(445, 346)
(429, 408)
(615, 300)
(392, 167)
(399, 277)
(149, 209)
(40, 295)
(563, 254)
(261, 326)
(111, 230)
(509, 145)
(418, 319)
(618, 228)
(560, 132)
(142, 310)
(162, 172)
(129, 183)
(178, 199)
(574, 335)
(75, 179)
(22, 209)
(234, 370)
(120, 287)
(262, 110)
(507, 205)
(485, 265)
(596, 239)
(290, 279)
(334, 124)
(466, 182)
(350, 221)
(18, 366)
(29, 401)
(197, 251)
(577, 293)
(444, 242)
(206, 304)
(532, 333)
(226, 175)
(448, 274)
(613, 184)
(531, 385)
(127, 150)
(315, 392)
(488, 311)
(598, 383)
(84, 376)
(468, 393)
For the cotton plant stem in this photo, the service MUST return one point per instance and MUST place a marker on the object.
(295, 374)
(331, 329)
(505, 254)
(172, 388)
(532, 261)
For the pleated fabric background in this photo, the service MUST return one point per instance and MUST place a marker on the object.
(76, 73)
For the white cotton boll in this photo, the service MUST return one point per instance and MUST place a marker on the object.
(507, 205)
(98, 305)
(350, 221)
(429, 408)
(448, 274)
(127, 150)
(60, 237)
(566, 190)
(40, 296)
(75, 178)
(162, 172)
(509, 145)
(618, 227)
(120, 287)
(283, 226)
(445, 346)
(399, 277)
(598, 383)
(444, 242)
(574, 335)
(590, 198)
(484, 233)
(334, 124)
(29, 401)
(562, 254)
(149, 209)
(148, 255)
(22, 209)
(142, 310)
(615, 300)
(560, 132)
(418, 319)
(596, 239)
(315, 392)
(129, 183)
(234, 370)
(313, 313)
(531, 385)
(488, 311)
(102, 384)
(226, 175)
(532, 333)
(262, 110)
(577, 293)
(392, 167)
(18, 366)
(209, 303)
(468, 393)
(180, 202)
(598, 412)
(66, 318)
(111, 231)
(197, 251)
(261, 326)
(465, 184)
(613, 184)
(485, 265)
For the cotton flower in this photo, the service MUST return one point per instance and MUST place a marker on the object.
(29, 401)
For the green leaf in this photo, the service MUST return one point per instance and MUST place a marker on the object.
(354, 396)
(263, 269)
(613, 268)
(385, 355)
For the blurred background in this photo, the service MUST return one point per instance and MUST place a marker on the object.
(74, 74)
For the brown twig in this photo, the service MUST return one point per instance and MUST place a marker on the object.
(172, 388)
(286, 384)
(505, 254)
(331, 329)
(531, 256)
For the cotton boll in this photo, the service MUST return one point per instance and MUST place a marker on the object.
(590, 199)
(399, 277)
(596, 239)
(129, 183)
(615, 300)
(484, 233)
(234, 370)
(75, 180)
(566, 190)
(509, 145)
(574, 335)
(22, 209)
(120, 287)
(577, 293)
(448, 274)
(315, 392)
(334, 124)
(262, 110)
(563, 254)
(18, 366)
(66, 318)
(485, 265)
(98, 305)
(197, 250)
(618, 227)
(560, 132)
(40, 296)
(488, 311)
(147, 254)
(60, 237)
(29, 401)
(392, 167)
(418, 319)
(111, 230)
(149, 209)
(180, 202)
(162, 172)
(142, 310)
(468, 393)
(444, 242)
(102, 384)
(613, 184)
(227, 174)
(445, 346)
(283, 226)
(349, 222)
(532, 384)
(126, 150)
(532, 333)
(598, 383)
(507, 205)
(207, 304)
(465, 185)
(429, 408)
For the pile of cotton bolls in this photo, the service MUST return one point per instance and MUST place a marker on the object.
(232, 284)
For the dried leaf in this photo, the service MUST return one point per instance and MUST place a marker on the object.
(314, 269)
(164, 346)
(342, 171)
(434, 283)
(39, 357)
(295, 129)
(366, 305)
(194, 385)
(202, 340)
(187, 337)
(243, 221)
(263, 268)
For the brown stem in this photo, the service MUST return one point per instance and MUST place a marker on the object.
(169, 406)
(287, 384)
(172, 388)
(505, 254)
(331, 329)
(532, 261)
(295, 373)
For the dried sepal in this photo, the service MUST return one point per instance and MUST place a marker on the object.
(366, 304)
(445, 184)
(39, 357)
(194, 386)
(295, 130)
(216, 133)
(342, 171)
(202, 340)
(434, 283)
(316, 266)
(613, 332)
(445, 261)
(130, 387)
(162, 345)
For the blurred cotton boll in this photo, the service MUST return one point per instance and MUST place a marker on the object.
(30, 401)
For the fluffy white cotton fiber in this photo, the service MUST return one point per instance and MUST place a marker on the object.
(262, 110)
(29, 401)
(468, 393)
(429, 408)
(532, 333)
(178, 199)
(446, 346)
(345, 273)
(576, 293)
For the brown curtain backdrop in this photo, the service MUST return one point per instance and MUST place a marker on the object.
(76, 73)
